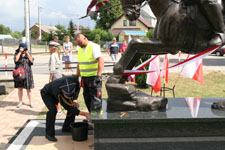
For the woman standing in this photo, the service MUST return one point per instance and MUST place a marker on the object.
(67, 56)
(23, 58)
(54, 62)
(54, 67)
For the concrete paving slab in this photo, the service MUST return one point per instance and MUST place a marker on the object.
(32, 137)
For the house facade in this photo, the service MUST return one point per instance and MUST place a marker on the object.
(122, 25)
(44, 29)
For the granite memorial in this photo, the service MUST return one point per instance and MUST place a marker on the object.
(189, 26)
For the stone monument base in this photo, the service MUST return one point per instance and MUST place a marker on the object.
(186, 124)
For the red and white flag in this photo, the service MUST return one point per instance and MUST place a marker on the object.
(131, 78)
(165, 73)
(153, 78)
(98, 4)
(193, 105)
(194, 70)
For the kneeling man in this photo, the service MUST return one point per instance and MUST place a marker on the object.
(64, 91)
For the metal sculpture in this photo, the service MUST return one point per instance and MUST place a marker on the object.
(190, 26)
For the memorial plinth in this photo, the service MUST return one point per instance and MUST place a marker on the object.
(187, 124)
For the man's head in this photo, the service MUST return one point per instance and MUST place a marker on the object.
(114, 40)
(56, 38)
(81, 40)
(67, 38)
(124, 42)
(53, 46)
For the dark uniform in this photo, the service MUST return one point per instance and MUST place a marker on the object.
(63, 90)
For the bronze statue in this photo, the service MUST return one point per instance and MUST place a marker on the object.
(190, 26)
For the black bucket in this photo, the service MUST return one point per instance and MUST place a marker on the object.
(79, 131)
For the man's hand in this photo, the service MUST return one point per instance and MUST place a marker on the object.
(76, 104)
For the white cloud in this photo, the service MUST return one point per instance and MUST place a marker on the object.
(12, 12)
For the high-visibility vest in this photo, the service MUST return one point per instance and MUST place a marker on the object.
(88, 66)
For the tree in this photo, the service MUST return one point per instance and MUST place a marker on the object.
(87, 33)
(100, 34)
(108, 17)
(4, 30)
(150, 33)
(141, 78)
(61, 32)
(33, 33)
(17, 34)
(70, 29)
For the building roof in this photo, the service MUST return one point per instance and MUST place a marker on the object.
(47, 29)
(80, 27)
(5, 36)
(139, 33)
(145, 23)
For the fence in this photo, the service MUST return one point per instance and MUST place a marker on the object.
(38, 46)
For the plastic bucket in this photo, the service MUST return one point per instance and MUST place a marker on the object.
(79, 131)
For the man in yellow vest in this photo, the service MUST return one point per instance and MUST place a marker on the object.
(90, 66)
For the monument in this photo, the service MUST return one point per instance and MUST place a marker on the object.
(134, 120)
(189, 26)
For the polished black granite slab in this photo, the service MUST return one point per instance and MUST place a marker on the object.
(187, 123)
(182, 108)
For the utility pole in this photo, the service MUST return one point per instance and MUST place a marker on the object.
(78, 22)
(27, 22)
(39, 21)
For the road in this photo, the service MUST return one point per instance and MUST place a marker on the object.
(210, 63)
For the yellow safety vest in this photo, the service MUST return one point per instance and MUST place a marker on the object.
(87, 64)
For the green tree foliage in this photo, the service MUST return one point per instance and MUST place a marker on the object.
(97, 39)
(150, 33)
(33, 33)
(99, 33)
(16, 34)
(61, 32)
(70, 30)
(87, 33)
(4, 30)
(141, 79)
(108, 17)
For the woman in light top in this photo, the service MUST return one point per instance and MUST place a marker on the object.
(54, 62)
(54, 67)
(67, 56)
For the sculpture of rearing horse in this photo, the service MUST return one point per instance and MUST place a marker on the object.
(181, 26)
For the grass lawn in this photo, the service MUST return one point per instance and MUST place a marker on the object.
(214, 86)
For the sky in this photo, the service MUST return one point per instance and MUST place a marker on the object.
(52, 12)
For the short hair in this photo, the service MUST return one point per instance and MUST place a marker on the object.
(78, 36)
(56, 37)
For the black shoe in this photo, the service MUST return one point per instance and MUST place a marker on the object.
(51, 138)
(66, 130)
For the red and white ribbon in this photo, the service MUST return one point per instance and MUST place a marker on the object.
(187, 61)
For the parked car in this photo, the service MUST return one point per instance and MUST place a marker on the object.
(220, 51)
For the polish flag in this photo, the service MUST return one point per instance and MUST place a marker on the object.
(153, 78)
(193, 105)
(98, 4)
(131, 78)
(194, 70)
(165, 73)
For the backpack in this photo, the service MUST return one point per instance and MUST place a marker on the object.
(19, 74)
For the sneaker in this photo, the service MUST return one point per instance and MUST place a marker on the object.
(31, 105)
(19, 105)
(59, 112)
